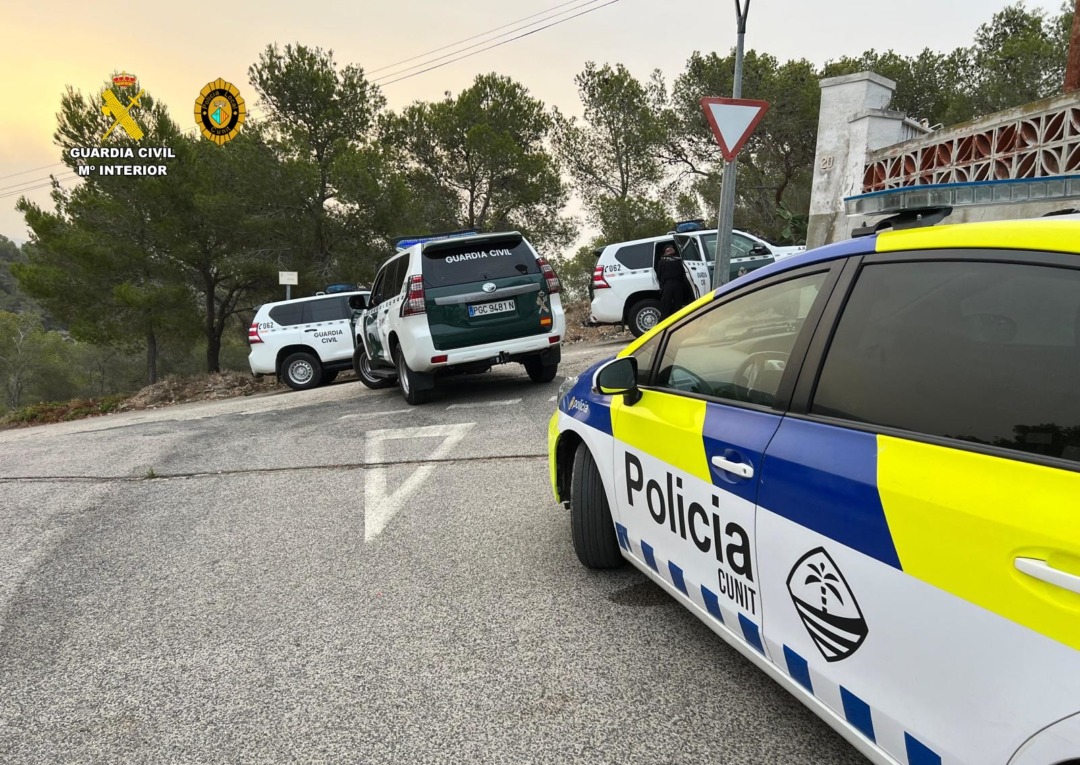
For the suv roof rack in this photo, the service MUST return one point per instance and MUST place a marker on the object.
(916, 217)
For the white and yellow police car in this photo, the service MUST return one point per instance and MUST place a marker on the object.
(861, 467)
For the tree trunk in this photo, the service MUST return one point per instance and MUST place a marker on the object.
(213, 337)
(151, 357)
(1072, 67)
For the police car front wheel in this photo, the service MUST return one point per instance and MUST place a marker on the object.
(362, 367)
(590, 515)
(301, 371)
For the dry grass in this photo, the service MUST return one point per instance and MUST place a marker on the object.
(171, 390)
(176, 390)
(210, 387)
(577, 313)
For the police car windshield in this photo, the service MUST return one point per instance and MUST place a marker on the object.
(478, 261)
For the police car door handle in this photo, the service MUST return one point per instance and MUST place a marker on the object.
(740, 469)
(1044, 572)
(310, 330)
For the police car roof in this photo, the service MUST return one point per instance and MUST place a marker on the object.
(463, 241)
(1059, 233)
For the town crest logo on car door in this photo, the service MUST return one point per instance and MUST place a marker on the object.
(826, 605)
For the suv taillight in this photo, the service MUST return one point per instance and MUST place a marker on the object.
(253, 334)
(553, 284)
(598, 280)
(414, 301)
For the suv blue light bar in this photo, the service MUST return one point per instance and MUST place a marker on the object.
(684, 226)
(405, 242)
(1009, 191)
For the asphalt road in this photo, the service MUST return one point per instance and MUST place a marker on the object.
(334, 576)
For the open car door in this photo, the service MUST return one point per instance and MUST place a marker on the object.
(697, 270)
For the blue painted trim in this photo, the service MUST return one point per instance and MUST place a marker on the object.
(798, 669)
(919, 753)
(677, 577)
(857, 713)
(647, 551)
(624, 537)
(964, 185)
(824, 478)
(751, 633)
(712, 603)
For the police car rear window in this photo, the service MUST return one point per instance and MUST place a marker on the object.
(287, 315)
(636, 255)
(478, 261)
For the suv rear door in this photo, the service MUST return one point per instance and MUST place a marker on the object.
(327, 327)
(283, 329)
(919, 506)
(483, 290)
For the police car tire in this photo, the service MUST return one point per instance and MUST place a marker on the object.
(590, 515)
(301, 371)
(361, 366)
(640, 309)
(539, 372)
(407, 381)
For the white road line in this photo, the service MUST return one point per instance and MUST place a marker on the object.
(368, 415)
(552, 398)
(380, 505)
(485, 404)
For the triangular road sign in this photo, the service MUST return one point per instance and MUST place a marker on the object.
(732, 121)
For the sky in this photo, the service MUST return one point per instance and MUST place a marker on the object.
(177, 48)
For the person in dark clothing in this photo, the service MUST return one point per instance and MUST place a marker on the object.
(674, 291)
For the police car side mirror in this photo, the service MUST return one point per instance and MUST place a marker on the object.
(357, 302)
(618, 378)
(759, 249)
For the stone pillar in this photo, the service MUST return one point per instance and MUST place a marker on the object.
(852, 108)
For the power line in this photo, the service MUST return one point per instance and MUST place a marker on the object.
(4, 195)
(394, 77)
(498, 44)
(24, 172)
(27, 183)
(474, 37)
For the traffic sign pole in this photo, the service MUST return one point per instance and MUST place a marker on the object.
(726, 218)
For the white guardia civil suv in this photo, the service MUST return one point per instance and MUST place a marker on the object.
(625, 289)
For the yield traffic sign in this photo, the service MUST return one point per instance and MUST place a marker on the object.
(732, 121)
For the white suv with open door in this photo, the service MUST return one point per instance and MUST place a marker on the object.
(625, 288)
(460, 304)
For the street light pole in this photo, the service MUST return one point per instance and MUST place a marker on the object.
(726, 218)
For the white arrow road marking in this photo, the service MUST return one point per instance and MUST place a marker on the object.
(380, 506)
(480, 404)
